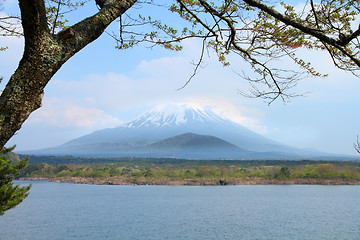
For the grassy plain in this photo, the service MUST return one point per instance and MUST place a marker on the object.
(143, 171)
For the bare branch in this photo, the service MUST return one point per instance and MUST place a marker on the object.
(315, 14)
(197, 65)
(56, 17)
(357, 145)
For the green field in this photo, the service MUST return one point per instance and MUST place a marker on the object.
(189, 172)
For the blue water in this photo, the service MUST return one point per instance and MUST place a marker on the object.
(71, 211)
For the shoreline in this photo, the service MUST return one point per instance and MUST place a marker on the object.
(192, 182)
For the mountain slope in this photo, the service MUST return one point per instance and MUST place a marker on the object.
(168, 121)
(161, 132)
(189, 141)
(190, 145)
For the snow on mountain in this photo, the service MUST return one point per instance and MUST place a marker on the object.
(174, 115)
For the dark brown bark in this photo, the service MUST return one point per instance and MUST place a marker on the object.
(44, 54)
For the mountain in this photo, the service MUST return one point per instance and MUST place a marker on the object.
(190, 141)
(190, 145)
(179, 130)
(171, 120)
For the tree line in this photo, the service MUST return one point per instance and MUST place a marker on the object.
(189, 172)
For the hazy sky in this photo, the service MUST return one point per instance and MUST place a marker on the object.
(102, 87)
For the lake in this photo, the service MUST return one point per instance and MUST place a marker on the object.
(74, 211)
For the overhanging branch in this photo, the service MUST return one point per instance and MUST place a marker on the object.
(339, 44)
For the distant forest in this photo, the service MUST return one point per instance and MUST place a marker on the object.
(169, 171)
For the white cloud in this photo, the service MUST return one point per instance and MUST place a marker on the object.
(155, 82)
(59, 121)
(59, 113)
(236, 112)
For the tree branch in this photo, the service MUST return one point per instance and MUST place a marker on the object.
(291, 22)
(357, 145)
(313, 32)
(92, 27)
(44, 54)
(315, 15)
(182, 5)
(33, 19)
(347, 39)
(197, 65)
(56, 17)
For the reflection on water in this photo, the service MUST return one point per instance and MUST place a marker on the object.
(71, 211)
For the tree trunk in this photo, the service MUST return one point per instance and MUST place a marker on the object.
(23, 93)
(44, 54)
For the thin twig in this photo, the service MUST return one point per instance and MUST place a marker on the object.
(197, 65)
(56, 17)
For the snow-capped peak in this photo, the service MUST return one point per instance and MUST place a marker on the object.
(174, 115)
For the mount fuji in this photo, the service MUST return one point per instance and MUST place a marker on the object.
(181, 131)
